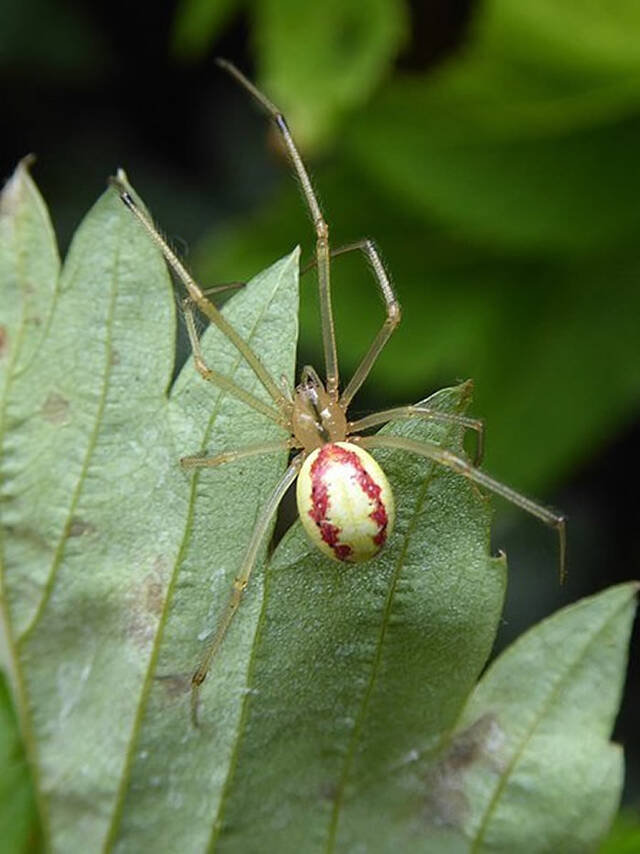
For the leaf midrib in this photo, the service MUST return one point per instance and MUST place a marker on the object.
(386, 614)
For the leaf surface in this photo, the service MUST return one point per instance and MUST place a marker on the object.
(318, 61)
(526, 138)
(542, 767)
(337, 696)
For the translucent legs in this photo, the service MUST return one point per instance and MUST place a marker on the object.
(242, 580)
(404, 412)
(242, 454)
(446, 458)
(392, 319)
(323, 261)
(319, 224)
(219, 379)
(392, 307)
(198, 298)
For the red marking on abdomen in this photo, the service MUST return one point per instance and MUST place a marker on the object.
(330, 533)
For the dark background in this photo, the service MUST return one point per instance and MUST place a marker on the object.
(102, 85)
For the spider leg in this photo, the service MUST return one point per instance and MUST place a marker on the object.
(218, 289)
(339, 250)
(197, 296)
(320, 226)
(241, 580)
(219, 379)
(404, 412)
(446, 458)
(241, 454)
(369, 250)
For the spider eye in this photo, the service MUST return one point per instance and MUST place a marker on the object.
(345, 502)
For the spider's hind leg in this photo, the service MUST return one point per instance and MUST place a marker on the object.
(241, 580)
(419, 411)
(445, 458)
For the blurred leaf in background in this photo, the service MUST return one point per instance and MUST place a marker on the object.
(624, 837)
(319, 60)
(504, 191)
(19, 824)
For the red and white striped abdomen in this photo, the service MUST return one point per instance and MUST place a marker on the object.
(345, 502)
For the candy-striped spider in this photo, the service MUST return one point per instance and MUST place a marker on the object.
(344, 499)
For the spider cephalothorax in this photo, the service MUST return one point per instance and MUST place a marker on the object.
(317, 417)
(344, 499)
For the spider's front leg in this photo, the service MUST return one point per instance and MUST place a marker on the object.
(219, 379)
(323, 255)
(392, 307)
(198, 298)
(241, 454)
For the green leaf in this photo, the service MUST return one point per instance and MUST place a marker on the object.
(541, 719)
(320, 60)
(625, 834)
(545, 194)
(574, 38)
(19, 829)
(337, 692)
(197, 24)
(526, 138)
(360, 671)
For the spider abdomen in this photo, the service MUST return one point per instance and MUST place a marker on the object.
(345, 502)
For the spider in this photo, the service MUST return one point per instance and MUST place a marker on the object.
(345, 502)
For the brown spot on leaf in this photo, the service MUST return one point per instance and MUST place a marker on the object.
(174, 684)
(328, 790)
(4, 341)
(79, 528)
(55, 409)
(146, 602)
(31, 537)
(154, 593)
(480, 744)
(115, 357)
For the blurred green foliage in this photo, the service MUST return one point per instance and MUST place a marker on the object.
(320, 59)
(19, 828)
(64, 42)
(625, 835)
(504, 192)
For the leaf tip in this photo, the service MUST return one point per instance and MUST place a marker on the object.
(12, 192)
(27, 162)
